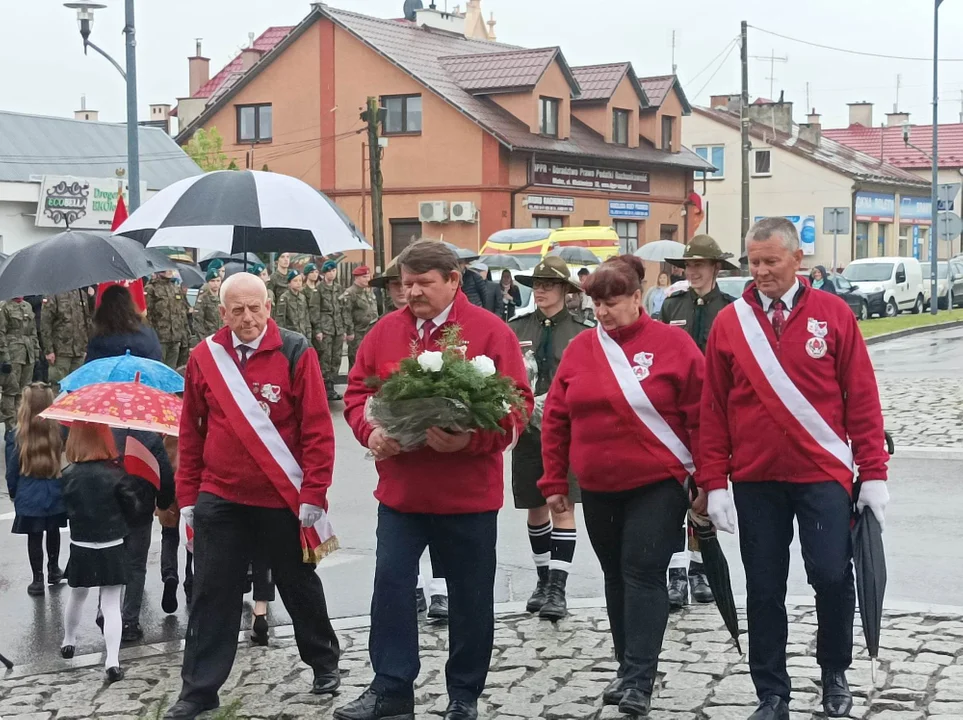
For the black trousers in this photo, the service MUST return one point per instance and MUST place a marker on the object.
(466, 547)
(766, 511)
(225, 535)
(170, 542)
(137, 548)
(634, 534)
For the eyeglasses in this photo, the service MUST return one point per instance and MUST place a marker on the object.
(544, 284)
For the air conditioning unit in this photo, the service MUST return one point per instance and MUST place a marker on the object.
(463, 212)
(433, 211)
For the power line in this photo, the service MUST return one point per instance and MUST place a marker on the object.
(853, 52)
(713, 61)
(731, 48)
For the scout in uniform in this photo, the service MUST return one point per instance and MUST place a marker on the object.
(278, 280)
(167, 313)
(65, 327)
(545, 333)
(333, 326)
(361, 309)
(19, 350)
(292, 312)
(263, 273)
(207, 317)
(694, 310)
(313, 297)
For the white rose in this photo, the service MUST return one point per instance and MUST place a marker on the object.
(431, 361)
(484, 365)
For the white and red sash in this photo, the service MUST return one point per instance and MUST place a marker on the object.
(661, 438)
(263, 441)
(785, 402)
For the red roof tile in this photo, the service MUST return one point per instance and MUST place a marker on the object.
(499, 71)
(598, 82)
(657, 87)
(888, 141)
(269, 38)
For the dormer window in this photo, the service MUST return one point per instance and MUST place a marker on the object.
(620, 127)
(548, 116)
(668, 129)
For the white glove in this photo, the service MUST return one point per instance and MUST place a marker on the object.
(310, 514)
(188, 514)
(873, 494)
(721, 510)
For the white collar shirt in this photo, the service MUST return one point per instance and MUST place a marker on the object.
(787, 299)
(253, 344)
(438, 320)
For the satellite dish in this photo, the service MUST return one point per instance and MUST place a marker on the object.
(411, 6)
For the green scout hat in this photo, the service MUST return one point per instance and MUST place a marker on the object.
(703, 247)
(292, 274)
(552, 267)
(392, 272)
(215, 264)
(256, 269)
(328, 266)
(309, 268)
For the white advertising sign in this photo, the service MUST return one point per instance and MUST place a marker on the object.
(79, 203)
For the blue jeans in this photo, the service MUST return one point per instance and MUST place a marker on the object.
(465, 545)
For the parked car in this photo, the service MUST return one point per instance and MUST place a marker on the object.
(949, 282)
(854, 297)
(733, 285)
(891, 284)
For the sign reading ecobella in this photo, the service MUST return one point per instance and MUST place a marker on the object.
(79, 203)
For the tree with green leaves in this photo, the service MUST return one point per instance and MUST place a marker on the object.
(206, 149)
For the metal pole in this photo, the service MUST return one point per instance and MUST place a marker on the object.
(133, 141)
(744, 124)
(835, 238)
(934, 230)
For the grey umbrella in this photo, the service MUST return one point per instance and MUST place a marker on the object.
(76, 259)
(502, 262)
(191, 275)
(576, 255)
(462, 253)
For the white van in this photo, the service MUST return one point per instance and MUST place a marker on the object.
(891, 284)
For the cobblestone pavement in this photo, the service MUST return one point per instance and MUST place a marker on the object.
(923, 413)
(538, 671)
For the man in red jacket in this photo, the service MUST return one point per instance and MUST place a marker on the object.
(256, 456)
(789, 386)
(445, 495)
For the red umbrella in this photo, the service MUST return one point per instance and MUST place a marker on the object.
(122, 405)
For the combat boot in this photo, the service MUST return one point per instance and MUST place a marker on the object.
(555, 607)
(537, 599)
(678, 588)
(36, 588)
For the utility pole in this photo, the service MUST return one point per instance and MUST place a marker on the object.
(934, 228)
(744, 124)
(133, 137)
(373, 115)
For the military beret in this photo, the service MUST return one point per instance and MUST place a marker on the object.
(309, 268)
(212, 272)
(329, 265)
(256, 269)
(292, 274)
(361, 270)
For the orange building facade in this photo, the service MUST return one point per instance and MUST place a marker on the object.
(478, 136)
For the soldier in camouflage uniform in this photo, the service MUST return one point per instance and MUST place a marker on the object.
(694, 310)
(263, 273)
(547, 331)
(292, 313)
(207, 317)
(313, 297)
(333, 325)
(361, 309)
(65, 327)
(167, 314)
(278, 281)
(19, 350)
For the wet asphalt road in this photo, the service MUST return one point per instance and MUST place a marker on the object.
(920, 537)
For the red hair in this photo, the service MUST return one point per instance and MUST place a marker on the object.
(90, 441)
(617, 276)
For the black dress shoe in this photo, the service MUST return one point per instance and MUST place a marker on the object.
(678, 588)
(635, 702)
(185, 710)
(438, 610)
(131, 632)
(461, 710)
(771, 708)
(699, 587)
(115, 674)
(372, 706)
(67, 652)
(837, 697)
(326, 683)
(420, 601)
(612, 695)
(169, 598)
(259, 633)
(537, 599)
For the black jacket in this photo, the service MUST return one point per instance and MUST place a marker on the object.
(148, 496)
(493, 301)
(473, 285)
(100, 499)
(143, 343)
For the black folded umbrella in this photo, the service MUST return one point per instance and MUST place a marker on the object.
(869, 559)
(7, 663)
(716, 568)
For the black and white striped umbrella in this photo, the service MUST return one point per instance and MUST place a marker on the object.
(243, 211)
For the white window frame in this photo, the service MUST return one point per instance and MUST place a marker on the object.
(755, 153)
(718, 175)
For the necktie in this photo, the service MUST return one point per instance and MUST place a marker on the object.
(426, 330)
(245, 350)
(778, 317)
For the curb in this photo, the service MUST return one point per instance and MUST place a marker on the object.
(877, 339)
(923, 452)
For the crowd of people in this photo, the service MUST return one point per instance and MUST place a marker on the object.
(630, 396)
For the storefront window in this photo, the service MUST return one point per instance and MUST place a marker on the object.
(548, 222)
(881, 237)
(628, 232)
(862, 240)
(905, 240)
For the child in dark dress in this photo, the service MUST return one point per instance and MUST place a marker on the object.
(33, 454)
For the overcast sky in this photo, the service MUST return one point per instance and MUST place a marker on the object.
(43, 70)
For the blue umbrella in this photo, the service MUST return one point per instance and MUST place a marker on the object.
(125, 368)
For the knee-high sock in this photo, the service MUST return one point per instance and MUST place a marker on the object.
(563, 549)
(110, 606)
(75, 607)
(540, 537)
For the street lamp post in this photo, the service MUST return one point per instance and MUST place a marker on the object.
(934, 231)
(85, 19)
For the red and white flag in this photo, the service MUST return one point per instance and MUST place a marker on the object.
(140, 461)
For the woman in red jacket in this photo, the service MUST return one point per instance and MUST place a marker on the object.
(623, 413)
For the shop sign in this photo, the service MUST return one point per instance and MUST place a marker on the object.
(589, 177)
(916, 242)
(806, 227)
(550, 204)
(628, 209)
(915, 210)
(873, 207)
(78, 203)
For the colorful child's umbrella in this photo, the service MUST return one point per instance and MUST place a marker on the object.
(130, 405)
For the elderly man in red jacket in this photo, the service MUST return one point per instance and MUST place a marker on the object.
(256, 457)
(790, 411)
(445, 495)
